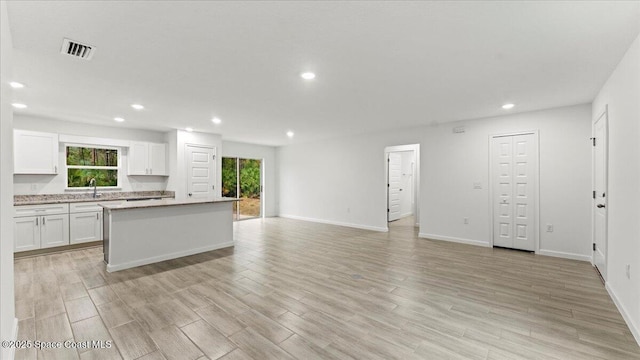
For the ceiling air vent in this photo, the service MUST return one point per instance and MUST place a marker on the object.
(76, 49)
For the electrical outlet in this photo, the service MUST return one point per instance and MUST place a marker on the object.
(628, 271)
(466, 221)
(477, 185)
(348, 210)
(34, 187)
(549, 227)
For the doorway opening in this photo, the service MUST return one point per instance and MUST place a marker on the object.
(402, 176)
(242, 178)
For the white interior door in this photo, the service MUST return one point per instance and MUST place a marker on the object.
(515, 179)
(600, 200)
(200, 171)
(394, 185)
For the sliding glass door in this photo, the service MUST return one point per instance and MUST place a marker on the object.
(242, 178)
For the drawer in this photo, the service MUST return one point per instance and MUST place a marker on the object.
(84, 207)
(93, 206)
(38, 210)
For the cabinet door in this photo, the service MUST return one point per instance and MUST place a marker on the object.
(85, 227)
(158, 159)
(26, 233)
(35, 152)
(138, 159)
(54, 230)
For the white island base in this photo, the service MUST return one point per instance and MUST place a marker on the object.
(145, 232)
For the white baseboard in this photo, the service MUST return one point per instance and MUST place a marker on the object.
(564, 255)
(330, 222)
(635, 328)
(9, 353)
(453, 239)
(155, 259)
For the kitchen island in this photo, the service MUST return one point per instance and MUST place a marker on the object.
(144, 232)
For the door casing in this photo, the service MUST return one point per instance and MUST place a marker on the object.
(604, 116)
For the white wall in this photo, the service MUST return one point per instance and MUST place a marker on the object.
(342, 181)
(7, 302)
(268, 155)
(339, 181)
(55, 184)
(177, 140)
(453, 162)
(621, 93)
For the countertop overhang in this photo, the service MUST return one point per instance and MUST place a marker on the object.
(164, 202)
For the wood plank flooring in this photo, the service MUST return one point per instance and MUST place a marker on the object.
(293, 289)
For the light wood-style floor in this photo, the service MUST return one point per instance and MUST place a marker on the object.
(293, 289)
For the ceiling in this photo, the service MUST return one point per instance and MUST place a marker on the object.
(379, 65)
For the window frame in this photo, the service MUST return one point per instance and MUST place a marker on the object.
(118, 167)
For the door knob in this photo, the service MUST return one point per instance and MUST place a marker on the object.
(190, 194)
(601, 205)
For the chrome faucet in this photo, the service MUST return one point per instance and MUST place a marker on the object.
(92, 182)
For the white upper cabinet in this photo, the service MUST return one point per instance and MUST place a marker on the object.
(35, 152)
(147, 159)
(158, 159)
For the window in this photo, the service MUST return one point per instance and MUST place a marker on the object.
(86, 163)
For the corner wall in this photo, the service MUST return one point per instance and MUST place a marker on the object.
(7, 302)
(177, 140)
(342, 181)
(621, 93)
(452, 163)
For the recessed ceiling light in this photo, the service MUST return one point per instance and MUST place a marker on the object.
(16, 85)
(290, 133)
(19, 106)
(308, 75)
(137, 106)
(189, 129)
(507, 106)
(216, 120)
(118, 119)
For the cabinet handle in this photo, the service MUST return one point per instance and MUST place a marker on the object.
(97, 216)
(55, 169)
(36, 221)
(43, 221)
(150, 171)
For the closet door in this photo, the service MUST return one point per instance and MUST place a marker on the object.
(514, 177)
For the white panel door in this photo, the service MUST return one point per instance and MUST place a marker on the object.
(157, 159)
(35, 152)
(502, 191)
(525, 157)
(85, 227)
(200, 171)
(54, 230)
(394, 185)
(138, 159)
(26, 233)
(600, 200)
(515, 177)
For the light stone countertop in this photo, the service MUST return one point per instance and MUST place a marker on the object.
(20, 200)
(124, 205)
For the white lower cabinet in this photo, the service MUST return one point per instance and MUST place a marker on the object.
(26, 232)
(54, 231)
(37, 232)
(85, 227)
